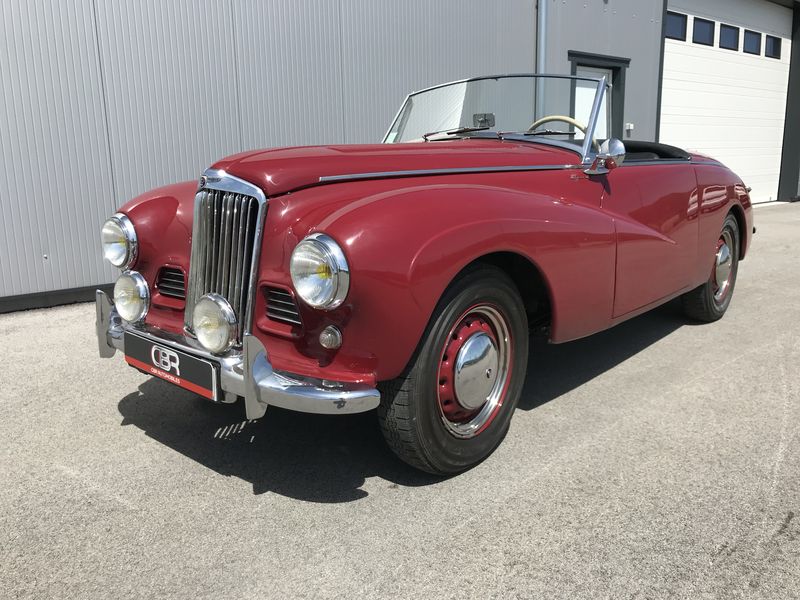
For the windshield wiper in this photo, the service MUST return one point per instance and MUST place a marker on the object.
(548, 132)
(454, 131)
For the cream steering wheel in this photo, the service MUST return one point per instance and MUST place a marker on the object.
(566, 119)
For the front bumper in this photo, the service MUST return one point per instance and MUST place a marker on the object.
(248, 373)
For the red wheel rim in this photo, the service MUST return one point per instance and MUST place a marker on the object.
(474, 371)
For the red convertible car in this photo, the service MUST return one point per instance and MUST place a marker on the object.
(407, 276)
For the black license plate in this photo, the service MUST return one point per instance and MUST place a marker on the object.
(187, 371)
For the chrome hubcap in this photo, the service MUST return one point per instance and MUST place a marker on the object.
(723, 265)
(475, 371)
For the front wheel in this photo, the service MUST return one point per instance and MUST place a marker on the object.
(454, 405)
(710, 301)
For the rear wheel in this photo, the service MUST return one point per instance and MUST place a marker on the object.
(454, 405)
(710, 301)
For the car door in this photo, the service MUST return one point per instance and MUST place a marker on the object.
(655, 208)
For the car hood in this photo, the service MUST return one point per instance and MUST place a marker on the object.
(282, 170)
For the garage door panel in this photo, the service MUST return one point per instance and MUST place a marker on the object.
(725, 103)
(736, 121)
(769, 17)
(710, 105)
(759, 83)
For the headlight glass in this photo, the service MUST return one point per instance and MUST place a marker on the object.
(131, 296)
(214, 323)
(319, 272)
(119, 241)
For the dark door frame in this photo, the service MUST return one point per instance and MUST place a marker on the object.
(789, 186)
(618, 66)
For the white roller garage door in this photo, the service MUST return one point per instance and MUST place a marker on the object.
(729, 104)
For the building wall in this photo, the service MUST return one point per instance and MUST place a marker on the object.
(105, 99)
(620, 28)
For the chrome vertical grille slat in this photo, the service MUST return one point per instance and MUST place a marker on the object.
(225, 238)
(238, 260)
(235, 240)
(214, 250)
(225, 242)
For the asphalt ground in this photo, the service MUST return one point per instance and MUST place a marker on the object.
(658, 459)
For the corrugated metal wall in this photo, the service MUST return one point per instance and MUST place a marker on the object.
(105, 99)
(622, 28)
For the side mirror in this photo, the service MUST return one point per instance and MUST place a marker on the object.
(611, 156)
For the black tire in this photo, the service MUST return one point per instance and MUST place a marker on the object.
(707, 303)
(412, 411)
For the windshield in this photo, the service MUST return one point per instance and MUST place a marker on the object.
(548, 107)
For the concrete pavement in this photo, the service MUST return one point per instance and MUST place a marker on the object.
(658, 459)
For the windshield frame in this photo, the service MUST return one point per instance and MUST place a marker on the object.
(586, 152)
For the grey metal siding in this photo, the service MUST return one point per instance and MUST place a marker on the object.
(105, 99)
(290, 72)
(53, 148)
(622, 28)
(170, 89)
(425, 43)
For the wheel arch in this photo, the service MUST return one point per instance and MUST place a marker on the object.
(741, 222)
(528, 278)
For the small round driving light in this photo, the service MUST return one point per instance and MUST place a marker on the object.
(131, 296)
(214, 323)
(330, 338)
(119, 241)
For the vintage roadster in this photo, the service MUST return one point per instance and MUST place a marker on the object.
(407, 276)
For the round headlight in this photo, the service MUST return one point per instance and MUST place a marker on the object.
(319, 272)
(119, 241)
(214, 323)
(131, 296)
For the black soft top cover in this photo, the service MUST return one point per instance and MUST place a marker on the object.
(636, 150)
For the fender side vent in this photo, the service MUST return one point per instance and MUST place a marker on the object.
(171, 282)
(282, 307)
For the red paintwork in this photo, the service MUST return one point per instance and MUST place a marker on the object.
(607, 247)
(163, 222)
(282, 170)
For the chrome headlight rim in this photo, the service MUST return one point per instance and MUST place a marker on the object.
(143, 292)
(131, 241)
(228, 314)
(335, 259)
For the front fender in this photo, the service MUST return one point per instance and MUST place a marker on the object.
(406, 244)
(163, 222)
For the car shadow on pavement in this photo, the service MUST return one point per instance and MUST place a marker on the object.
(316, 458)
(328, 458)
(554, 370)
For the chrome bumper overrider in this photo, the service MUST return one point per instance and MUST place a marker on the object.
(248, 374)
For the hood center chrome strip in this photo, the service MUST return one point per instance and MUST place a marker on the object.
(453, 171)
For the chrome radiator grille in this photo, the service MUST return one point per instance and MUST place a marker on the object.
(224, 238)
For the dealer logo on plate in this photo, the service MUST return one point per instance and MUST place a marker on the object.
(165, 359)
